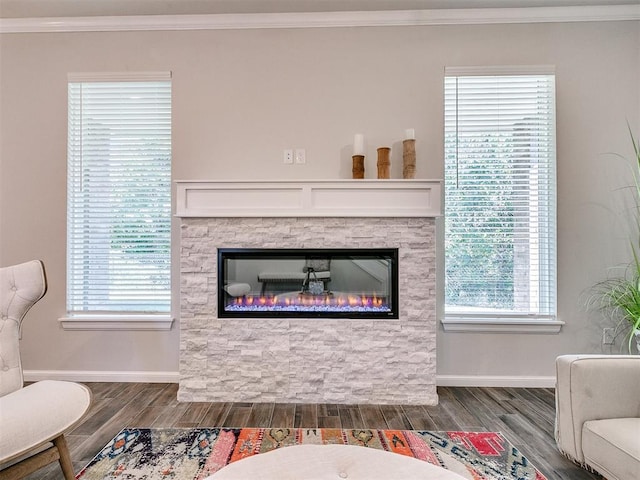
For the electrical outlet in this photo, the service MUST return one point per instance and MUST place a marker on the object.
(288, 156)
(301, 156)
(607, 336)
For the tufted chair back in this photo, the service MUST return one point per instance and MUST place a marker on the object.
(21, 286)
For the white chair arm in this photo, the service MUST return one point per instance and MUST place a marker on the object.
(38, 413)
(593, 387)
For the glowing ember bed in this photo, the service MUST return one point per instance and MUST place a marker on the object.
(297, 301)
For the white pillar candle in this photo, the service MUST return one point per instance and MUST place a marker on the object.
(409, 134)
(358, 144)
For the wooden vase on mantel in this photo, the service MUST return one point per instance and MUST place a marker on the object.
(383, 162)
(409, 158)
(357, 170)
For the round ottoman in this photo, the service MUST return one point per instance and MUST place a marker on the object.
(331, 462)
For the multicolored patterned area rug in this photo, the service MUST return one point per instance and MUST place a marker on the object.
(186, 454)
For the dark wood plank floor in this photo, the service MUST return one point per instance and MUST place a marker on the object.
(525, 417)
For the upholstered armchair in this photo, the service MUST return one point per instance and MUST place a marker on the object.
(598, 413)
(33, 419)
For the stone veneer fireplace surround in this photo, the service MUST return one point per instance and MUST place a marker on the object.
(308, 360)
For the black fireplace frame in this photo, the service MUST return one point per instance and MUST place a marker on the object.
(390, 253)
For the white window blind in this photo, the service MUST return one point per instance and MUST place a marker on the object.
(500, 207)
(119, 196)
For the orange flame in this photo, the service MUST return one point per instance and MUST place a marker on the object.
(341, 301)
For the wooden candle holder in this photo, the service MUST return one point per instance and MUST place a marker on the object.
(409, 158)
(358, 166)
(383, 162)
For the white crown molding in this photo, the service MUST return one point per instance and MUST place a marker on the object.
(471, 16)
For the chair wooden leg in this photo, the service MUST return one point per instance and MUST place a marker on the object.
(65, 458)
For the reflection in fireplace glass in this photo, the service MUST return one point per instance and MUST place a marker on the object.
(331, 283)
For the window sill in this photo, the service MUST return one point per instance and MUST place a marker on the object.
(117, 322)
(501, 325)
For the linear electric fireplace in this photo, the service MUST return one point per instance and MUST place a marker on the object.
(329, 283)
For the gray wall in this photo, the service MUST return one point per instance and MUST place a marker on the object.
(240, 97)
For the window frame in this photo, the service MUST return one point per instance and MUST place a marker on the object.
(488, 321)
(126, 320)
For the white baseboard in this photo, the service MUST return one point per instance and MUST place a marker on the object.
(174, 377)
(494, 381)
(101, 376)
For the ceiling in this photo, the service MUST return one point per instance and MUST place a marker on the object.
(89, 8)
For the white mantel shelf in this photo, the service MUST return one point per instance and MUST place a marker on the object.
(318, 198)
